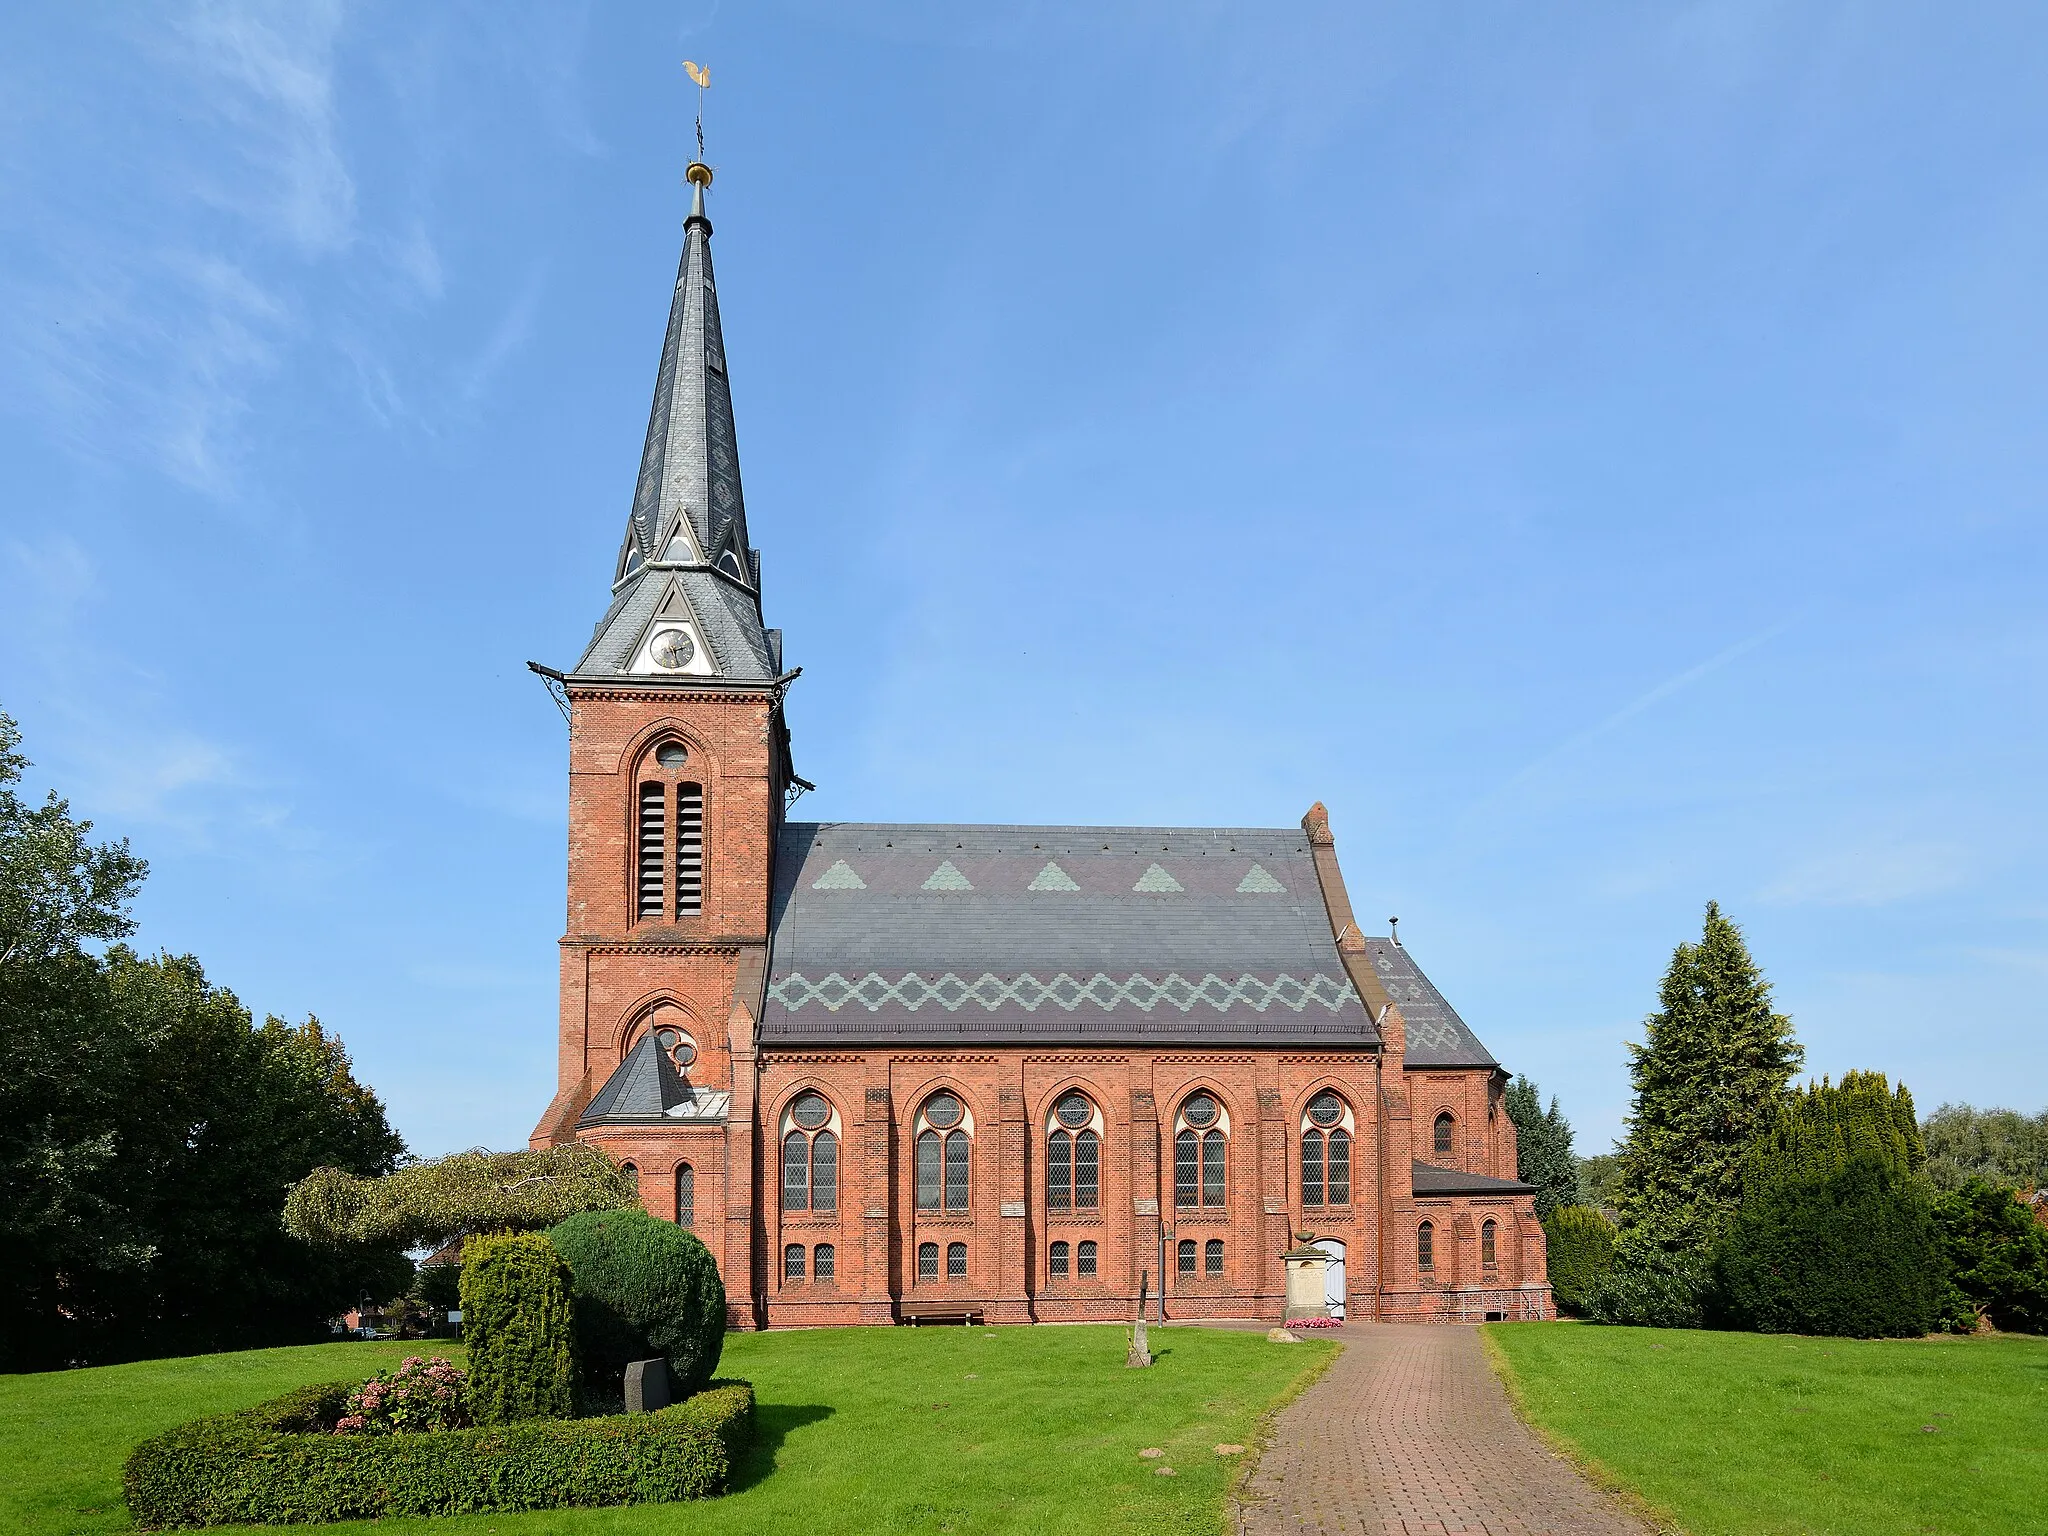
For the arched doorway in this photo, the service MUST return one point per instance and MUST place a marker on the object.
(1333, 1275)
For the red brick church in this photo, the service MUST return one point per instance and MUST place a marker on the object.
(888, 1072)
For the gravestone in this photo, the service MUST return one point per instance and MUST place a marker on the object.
(648, 1386)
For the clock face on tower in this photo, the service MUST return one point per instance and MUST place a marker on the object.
(672, 648)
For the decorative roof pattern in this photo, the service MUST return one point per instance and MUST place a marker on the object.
(1056, 934)
(1437, 1037)
(689, 476)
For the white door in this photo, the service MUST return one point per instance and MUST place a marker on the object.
(1333, 1275)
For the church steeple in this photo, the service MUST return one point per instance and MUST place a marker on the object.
(686, 596)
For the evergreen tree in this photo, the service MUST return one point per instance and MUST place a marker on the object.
(1713, 1070)
(1836, 1233)
(1543, 1148)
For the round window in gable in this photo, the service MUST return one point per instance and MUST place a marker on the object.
(1199, 1110)
(810, 1111)
(1326, 1109)
(671, 754)
(942, 1111)
(1074, 1110)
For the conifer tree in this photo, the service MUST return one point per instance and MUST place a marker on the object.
(1543, 1148)
(1713, 1070)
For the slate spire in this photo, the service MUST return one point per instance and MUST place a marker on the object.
(686, 589)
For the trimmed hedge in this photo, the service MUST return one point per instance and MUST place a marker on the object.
(1850, 1252)
(518, 1323)
(643, 1286)
(279, 1463)
(1581, 1243)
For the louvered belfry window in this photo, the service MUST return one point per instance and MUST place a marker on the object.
(653, 838)
(689, 849)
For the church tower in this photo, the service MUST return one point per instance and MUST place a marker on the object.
(678, 772)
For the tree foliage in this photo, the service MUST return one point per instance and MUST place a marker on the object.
(468, 1192)
(519, 1325)
(1543, 1148)
(1581, 1246)
(1715, 1065)
(1998, 1258)
(1997, 1146)
(149, 1128)
(643, 1287)
(1600, 1180)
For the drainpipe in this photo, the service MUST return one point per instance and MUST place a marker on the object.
(1379, 1124)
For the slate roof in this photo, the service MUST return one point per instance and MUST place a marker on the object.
(1017, 935)
(1432, 1180)
(690, 465)
(647, 1088)
(1437, 1037)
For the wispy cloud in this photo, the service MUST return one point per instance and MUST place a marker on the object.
(1873, 871)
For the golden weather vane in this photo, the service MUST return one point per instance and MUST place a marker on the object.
(701, 76)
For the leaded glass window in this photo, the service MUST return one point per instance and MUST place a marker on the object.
(930, 1173)
(1212, 1168)
(824, 1172)
(1488, 1255)
(810, 1157)
(1446, 1143)
(927, 1261)
(1326, 1109)
(1340, 1168)
(824, 1262)
(1059, 1172)
(1056, 1260)
(793, 1262)
(1187, 1169)
(796, 1172)
(1199, 1152)
(1087, 1171)
(1084, 1259)
(1184, 1256)
(1212, 1256)
(956, 1261)
(1425, 1246)
(958, 1150)
(686, 1196)
(1311, 1167)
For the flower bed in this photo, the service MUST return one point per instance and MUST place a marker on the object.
(1317, 1322)
(282, 1462)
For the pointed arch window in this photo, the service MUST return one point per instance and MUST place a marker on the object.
(1425, 1247)
(1200, 1152)
(1326, 1127)
(1073, 1155)
(1489, 1250)
(686, 1196)
(1445, 1143)
(945, 1154)
(810, 1155)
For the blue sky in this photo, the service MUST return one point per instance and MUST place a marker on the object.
(1598, 452)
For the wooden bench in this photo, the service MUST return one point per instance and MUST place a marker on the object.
(918, 1313)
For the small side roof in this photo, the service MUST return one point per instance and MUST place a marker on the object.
(1432, 1180)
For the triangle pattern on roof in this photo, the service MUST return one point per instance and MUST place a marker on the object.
(1257, 882)
(840, 877)
(1053, 878)
(947, 878)
(1157, 881)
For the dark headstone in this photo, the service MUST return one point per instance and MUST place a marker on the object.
(648, 1386)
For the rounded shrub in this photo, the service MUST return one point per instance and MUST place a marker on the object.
(519, 1324)
(643, 1287)
(1851, 1251)
(1581, 1244)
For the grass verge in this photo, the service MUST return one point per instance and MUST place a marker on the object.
(1742, 1434)
(859, 1429)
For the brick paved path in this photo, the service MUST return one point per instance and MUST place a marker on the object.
(1409, 1433)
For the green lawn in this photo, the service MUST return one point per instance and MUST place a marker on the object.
(1732, 1434)
(861, 1429)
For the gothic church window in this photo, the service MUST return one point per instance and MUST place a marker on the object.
(1184, 1256)
(1446, 1143)
(793, 1262)
(956, 1261)
(1073, 1155)
(669, 846)
(686, 1196)
(1200, 1141)
(1212, 1256)
(945, 1151)
(824, 1262)
(927, 1261)
(1326, 1151)
(810, 1156)
(1425, 1247)
(1056, 1260)
(1084, 1259)
(1488, 1251)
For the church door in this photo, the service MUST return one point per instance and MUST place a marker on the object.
(1333, 1276)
